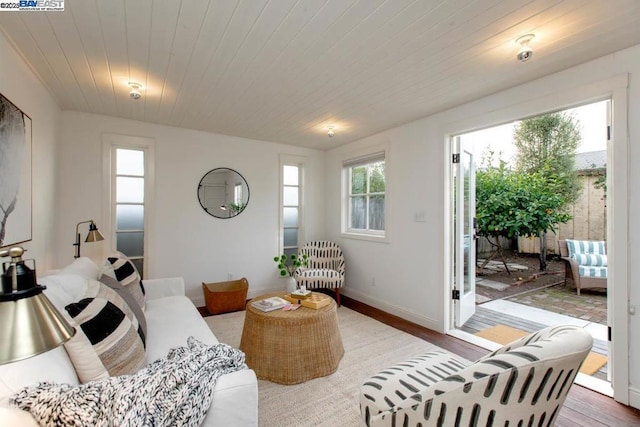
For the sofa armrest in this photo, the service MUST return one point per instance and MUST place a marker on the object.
(235, 400)
(167, 287)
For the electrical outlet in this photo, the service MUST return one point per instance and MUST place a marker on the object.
(373, 282)
(229, 276)
(420, 216)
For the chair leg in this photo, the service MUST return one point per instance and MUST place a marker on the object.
(337, 296)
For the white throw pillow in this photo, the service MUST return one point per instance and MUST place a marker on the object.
(84, 267)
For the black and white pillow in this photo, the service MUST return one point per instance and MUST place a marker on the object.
(98, 289)
(112, 334)
(121, 268)
(131, 302)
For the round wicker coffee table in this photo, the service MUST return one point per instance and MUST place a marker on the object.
(291, 347)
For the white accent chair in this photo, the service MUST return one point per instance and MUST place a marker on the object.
(522, 383)
(325, 267)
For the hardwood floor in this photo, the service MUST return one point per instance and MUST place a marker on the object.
(583, 407)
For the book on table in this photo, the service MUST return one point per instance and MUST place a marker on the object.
(315, 300)
(270, 304)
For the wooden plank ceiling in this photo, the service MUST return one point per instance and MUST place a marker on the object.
(284, 70)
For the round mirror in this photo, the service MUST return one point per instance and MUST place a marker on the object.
(223, 193)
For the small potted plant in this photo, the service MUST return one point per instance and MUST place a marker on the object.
(288, 265)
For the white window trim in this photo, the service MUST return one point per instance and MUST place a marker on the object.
(300, 162)
(348, 160)
(109, 142)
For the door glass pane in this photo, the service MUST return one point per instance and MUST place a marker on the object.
(129, 190)
(130, 244)
(130, 162)
(466, 173)
(291, 237)
(290, 217)
(291, 251)
(376, 212)
(358, 180)
(290, 175)
(129, 217)
(290, 196)
(358, 212)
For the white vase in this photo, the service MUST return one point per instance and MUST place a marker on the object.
(291, 284)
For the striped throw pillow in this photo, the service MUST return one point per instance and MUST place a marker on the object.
(592, 260)
(111, 333)
(596, 247)
(131, 303)
(96, 289)
(121, 268)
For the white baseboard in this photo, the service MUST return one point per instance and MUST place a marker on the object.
(634, 397)
(416, 318)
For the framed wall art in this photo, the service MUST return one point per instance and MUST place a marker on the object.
(15, 174)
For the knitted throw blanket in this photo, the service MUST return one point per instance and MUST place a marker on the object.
(173, 391)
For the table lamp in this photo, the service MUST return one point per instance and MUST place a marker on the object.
(29, 323)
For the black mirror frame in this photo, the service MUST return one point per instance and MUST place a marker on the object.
(207, 209)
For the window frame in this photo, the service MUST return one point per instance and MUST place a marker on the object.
(362, 158)
(299, 162)
(112, 142)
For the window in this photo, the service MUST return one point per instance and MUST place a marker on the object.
(291, 208)
(237, 194)
(365, 191)
(129, 204)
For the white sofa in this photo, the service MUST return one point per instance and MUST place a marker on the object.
(171, 318)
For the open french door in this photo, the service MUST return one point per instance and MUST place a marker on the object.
(464, 191)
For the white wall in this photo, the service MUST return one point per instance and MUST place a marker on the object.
(410, 271)
(20, 86)
(185, 240)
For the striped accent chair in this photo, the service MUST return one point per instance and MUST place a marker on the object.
(325, 267)
(587, 262)
(521, 384)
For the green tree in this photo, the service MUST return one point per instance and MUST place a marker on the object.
(546, 145)
(512, 204)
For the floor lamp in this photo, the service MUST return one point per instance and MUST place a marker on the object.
(94, 235)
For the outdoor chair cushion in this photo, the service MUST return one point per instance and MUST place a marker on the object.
(590, 256)
(596, 247)
(592, 260)
(587, 271)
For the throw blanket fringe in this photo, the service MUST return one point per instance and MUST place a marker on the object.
(173, 391)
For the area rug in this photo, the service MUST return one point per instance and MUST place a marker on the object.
(503, 334)
(369, 345)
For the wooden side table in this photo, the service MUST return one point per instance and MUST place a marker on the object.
(290, 347)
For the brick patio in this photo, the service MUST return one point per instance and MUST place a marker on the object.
(590, 305)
